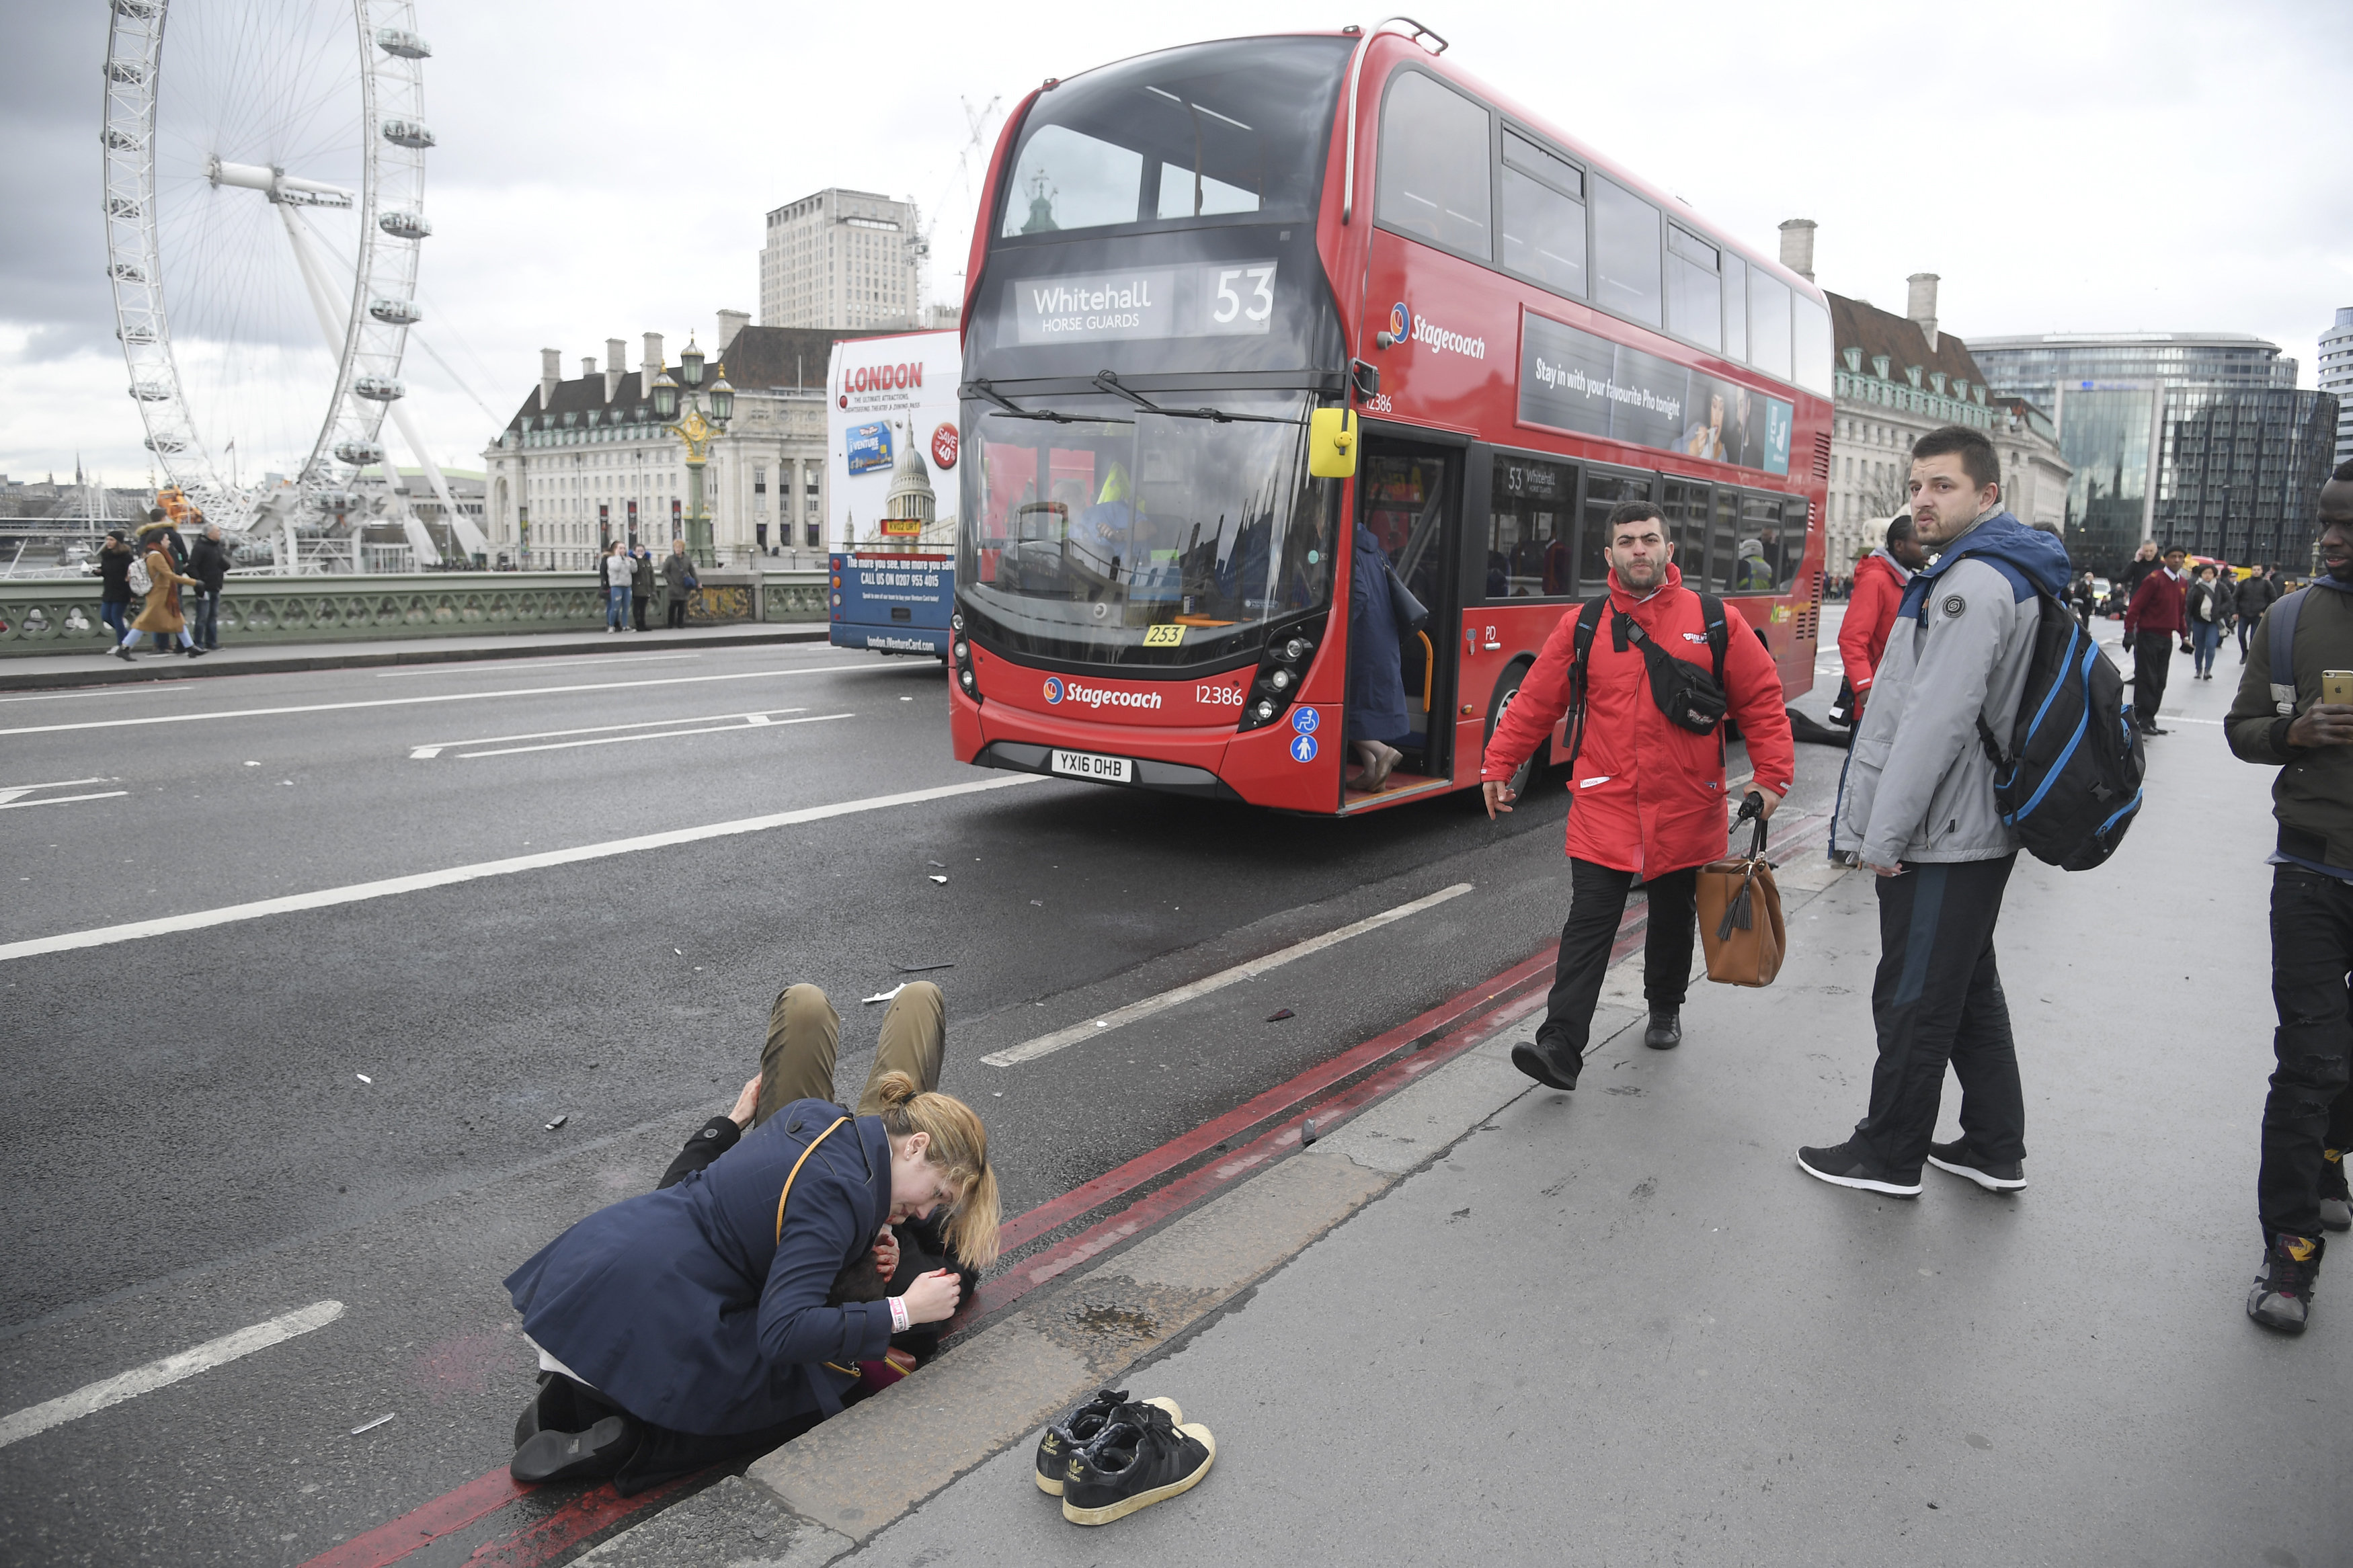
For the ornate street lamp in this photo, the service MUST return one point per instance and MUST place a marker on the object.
(698, 431)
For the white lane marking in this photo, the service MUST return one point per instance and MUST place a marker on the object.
(434, 748)
(1047, 1045)
(17, 792)
(749, 722)
(326, 897)
(155, 1374)
(116, 691)
(61, 799)
(438, 697)
(526, 667)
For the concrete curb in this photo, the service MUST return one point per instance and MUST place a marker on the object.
(114, 672)
(825, 1495)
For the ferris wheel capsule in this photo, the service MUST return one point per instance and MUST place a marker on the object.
(359, 453)
(402, 224)
(398, 313)
(408, 134)
(407, 45)
(379, 388)
(334, 500)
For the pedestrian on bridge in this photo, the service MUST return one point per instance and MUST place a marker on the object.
(115, 559)
(615, 571)
(2280, 719)
(1648, 790)
(678, 582)
(2156, 615)
(641, 582)
(1921, 812)
(208, 563)
(2258, 593)
(1879, 579)
(160, 615)
(2207, 611)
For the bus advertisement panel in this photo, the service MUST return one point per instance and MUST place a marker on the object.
(893, 443)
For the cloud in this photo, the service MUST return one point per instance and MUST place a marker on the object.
(604, 171)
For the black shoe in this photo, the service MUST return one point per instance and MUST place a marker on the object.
(575, 1456)
(198, 652)
(124, 654)
(2153, 730)
(1142, 1458)
(2336, 1203)
(1666, 1030)
(2282, 1298)
(1994, 1176)
(1849, 1166)
(551, 1409)
(1082, 1426)
(1548, 1063)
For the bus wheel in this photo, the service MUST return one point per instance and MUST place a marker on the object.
(1505, 690)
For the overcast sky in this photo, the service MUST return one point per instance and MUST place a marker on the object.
(604, 165)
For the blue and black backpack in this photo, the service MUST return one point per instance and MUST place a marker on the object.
(2070, 784)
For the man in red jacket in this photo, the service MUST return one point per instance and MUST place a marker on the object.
(1649, 795)
(2154, 617)
(1879, 579)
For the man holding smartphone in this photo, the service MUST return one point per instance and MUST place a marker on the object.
(2300, 721)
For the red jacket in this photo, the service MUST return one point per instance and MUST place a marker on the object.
(1870, 614)
(2156, 606)
(1649, 794)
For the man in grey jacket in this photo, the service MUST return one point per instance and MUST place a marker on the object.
(1920, 812)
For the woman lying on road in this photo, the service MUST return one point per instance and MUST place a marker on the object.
(719, 1315)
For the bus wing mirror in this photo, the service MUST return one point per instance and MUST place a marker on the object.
(1331, 444)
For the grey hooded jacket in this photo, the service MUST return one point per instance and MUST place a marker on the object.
(1920, 786)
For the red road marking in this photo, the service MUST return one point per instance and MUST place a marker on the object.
(1487, 1006)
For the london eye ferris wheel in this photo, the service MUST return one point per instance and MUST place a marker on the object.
(264, 210)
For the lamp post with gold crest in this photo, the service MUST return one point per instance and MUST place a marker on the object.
(698, 430)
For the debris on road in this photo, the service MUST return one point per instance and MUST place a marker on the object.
(372, 1426)
(940, 864)
(1307, 1133)
(1278, 1017)
(923, 968)
(557, 1122)
(1039, 903)
(940, 880)
(363, 1077)
(680, 950)
(885, 995)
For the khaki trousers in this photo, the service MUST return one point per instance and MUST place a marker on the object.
(804, 1032)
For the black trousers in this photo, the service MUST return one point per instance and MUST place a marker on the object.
(2152, 662)
(662, 1453)
(1596, 901)
(2310, 1106)
(638, 607)
(676, 615)
(1937, 999)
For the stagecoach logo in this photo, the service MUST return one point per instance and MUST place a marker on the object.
(1057, 690)
(1403, 324)
(1054, 690)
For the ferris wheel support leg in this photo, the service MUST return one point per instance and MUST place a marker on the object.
(461, 527)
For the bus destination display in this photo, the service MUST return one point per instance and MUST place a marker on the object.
(1572, 380)
(1219, 299)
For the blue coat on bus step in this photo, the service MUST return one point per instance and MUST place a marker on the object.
(1376, 674)
(685, 1306)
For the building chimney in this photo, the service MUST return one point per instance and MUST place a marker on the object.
(587, 367)
(1920, 306)
(730, 324)
(551, 374)
(651, 367)
(616, 364)
(1797, 246)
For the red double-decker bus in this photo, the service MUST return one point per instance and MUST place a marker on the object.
(1201, 276)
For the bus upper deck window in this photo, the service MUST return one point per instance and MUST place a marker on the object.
(1433, 165)
(1768, 325)
(1625, 253)
(1694, 288)
(1544, 215)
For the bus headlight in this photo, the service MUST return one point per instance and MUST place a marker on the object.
(1281, 670)
(965, 679)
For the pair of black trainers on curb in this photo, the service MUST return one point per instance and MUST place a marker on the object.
(1113, 1455)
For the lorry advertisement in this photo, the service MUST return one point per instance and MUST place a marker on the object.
(891, 411)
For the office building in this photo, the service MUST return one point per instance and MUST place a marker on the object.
(842, 259)
(2196, 438)
(2337, 377)
(583, 460)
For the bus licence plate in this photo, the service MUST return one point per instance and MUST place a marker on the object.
(1087, 766)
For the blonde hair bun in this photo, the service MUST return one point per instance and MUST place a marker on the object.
(895, 1089)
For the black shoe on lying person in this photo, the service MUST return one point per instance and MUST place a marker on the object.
(551, 1409)
(585, 1455)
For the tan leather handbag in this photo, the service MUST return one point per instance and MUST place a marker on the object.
(1740, 914)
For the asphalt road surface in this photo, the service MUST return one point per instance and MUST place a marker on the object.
(348, 1099)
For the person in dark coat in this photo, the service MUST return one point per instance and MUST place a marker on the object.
(1376, 719)
(208, 564)
(641, 582)
(678, 582)
(2256, 595)
(708, 1318)
(115, 558)
(2202, 606)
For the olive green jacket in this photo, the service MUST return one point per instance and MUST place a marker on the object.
(2312, 797)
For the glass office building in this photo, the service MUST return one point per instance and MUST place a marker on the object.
(2195, 438)
(2337, 377)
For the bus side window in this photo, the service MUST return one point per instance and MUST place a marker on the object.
(1685, 504)
(1626, 253)
(1531, 544)
(1602, 493)
(1434, 165)
(1779, 524)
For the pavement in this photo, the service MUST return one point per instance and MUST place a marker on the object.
(99, 667)
(1619, 1326)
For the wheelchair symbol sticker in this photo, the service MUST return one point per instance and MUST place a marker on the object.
(1306, 720)
(1303, 748)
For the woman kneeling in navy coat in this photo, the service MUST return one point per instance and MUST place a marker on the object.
(705, 1320)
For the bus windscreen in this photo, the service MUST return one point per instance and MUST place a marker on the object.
(1231, 130)
(1120, 536)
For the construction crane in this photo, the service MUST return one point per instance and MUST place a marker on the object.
(976, 128)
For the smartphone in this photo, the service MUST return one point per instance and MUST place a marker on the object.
(2336, 686)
